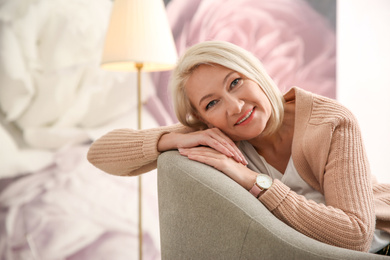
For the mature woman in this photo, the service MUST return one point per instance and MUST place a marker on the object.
(300, 154)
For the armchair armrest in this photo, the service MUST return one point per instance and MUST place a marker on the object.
(206, 215)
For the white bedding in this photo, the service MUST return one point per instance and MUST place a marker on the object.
(72, 210)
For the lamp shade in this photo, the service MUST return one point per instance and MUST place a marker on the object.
(139, 32)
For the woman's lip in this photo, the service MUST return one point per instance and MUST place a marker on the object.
(245, 115)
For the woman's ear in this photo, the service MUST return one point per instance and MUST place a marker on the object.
(197, 116)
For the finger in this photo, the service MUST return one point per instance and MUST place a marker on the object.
(227, 143)
(202, 151)
(221, 141)
(206, 155)
(221, 146)
(198, 150)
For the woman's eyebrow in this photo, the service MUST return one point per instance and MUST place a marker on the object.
(227, 76)
(205, 97)
(223, 84)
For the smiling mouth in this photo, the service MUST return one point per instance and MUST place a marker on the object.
(240, 121)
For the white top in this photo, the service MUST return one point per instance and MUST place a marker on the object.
(293, 180)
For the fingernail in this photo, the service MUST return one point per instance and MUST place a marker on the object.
(245, 161)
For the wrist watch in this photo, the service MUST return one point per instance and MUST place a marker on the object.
(263, 183)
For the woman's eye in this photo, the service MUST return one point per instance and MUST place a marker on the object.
(235, 82)
(211, 104)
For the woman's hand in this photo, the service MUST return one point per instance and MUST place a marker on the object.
(212, 137)
(236, 171)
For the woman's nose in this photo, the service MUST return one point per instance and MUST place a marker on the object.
(234, 105)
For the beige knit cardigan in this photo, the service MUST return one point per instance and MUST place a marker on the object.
(328, 153)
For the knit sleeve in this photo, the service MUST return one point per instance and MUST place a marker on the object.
(348, 218)
(127, 151)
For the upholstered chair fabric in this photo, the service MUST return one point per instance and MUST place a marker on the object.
(206, 215)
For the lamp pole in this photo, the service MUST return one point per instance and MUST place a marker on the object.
(139, 37)
(139, 94)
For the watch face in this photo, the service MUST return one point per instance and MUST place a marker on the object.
(264, 181)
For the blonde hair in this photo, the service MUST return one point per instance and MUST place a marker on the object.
(232, 57)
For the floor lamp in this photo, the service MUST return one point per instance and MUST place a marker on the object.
(139, 38)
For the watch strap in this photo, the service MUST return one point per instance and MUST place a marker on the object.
(256, 190)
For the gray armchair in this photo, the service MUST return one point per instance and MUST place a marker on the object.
(206, 215)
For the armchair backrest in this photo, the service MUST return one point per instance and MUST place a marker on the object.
(206, 215)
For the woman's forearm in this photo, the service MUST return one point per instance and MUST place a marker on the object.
(127, 151)
(168, 142)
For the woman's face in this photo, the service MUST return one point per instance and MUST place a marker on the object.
(227, 100)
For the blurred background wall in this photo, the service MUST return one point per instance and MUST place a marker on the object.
(363, 75)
